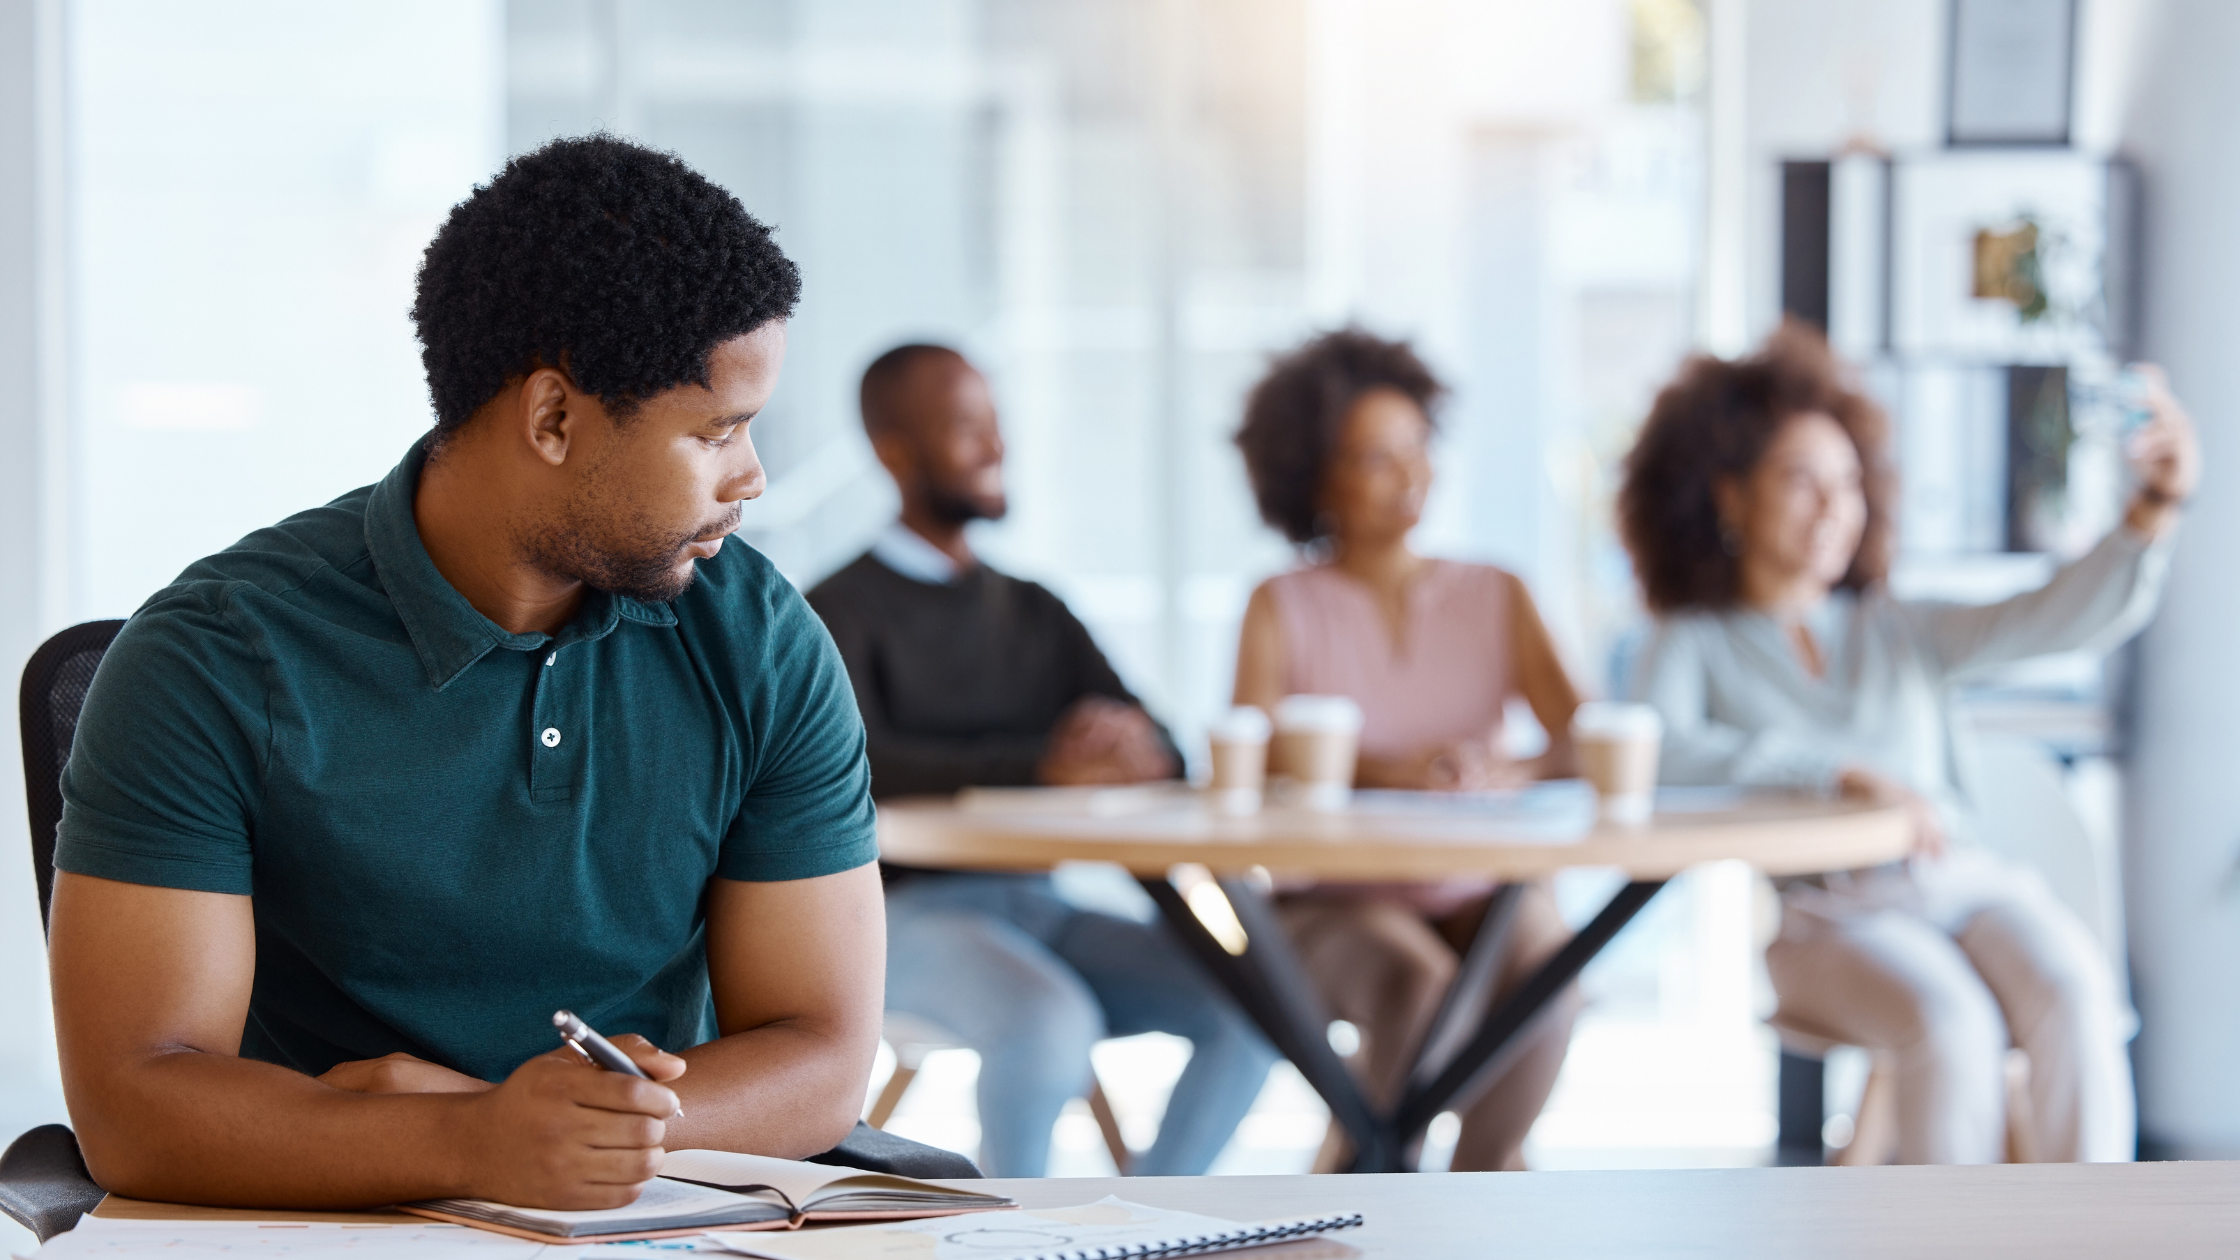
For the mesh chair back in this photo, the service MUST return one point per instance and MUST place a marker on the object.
(54, 689)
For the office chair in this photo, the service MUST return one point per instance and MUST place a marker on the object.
(44, 1185)
(913, 1039)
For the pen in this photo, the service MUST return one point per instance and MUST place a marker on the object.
(580, 1037)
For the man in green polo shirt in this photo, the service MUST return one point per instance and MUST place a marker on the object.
(358, 802)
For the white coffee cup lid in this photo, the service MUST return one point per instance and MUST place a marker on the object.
(1245, 724)
(1606, 719)
(1330, 715)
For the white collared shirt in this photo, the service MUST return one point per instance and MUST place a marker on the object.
(904, 550)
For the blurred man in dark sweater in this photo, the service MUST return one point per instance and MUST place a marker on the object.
(969, 677)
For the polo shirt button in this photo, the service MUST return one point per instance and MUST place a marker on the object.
(551, 737)
(550, 659)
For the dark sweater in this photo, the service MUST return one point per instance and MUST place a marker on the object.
(960, 684)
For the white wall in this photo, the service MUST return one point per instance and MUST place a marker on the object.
(253, 182)
(209, 221)
(2183, 868)
(29, 294)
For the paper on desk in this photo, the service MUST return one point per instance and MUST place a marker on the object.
(97, 1238)
(1559, 812)
(1109, 1227)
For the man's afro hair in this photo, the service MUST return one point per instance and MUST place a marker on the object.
(614, 262)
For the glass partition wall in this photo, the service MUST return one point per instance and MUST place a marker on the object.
(1101, 203)
(1120, 208)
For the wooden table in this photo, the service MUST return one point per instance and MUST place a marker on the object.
(2037, 1211)
(1170, 840)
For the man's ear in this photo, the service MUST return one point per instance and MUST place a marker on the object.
(548, 416)
(897, 455)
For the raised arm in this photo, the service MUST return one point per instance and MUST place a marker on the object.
(798, 970)
(2102, 598)
(151, 989)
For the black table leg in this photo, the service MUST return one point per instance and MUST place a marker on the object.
(1803, 1111)
(1464, 1004)
(1269, 982)
(1498, 1040)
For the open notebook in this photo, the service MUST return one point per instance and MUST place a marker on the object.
(701, 1190)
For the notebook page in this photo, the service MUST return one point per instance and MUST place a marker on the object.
(797, 1180)
(658, 1199)
(801, 1182)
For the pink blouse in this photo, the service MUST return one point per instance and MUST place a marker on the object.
(1446, 680)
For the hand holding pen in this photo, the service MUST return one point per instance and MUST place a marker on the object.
(597, 1050)
(553, 1134)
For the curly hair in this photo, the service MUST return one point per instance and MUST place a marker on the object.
(1293, 417)
(1713, 423)
(614, 262)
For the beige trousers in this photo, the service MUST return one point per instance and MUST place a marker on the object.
(1943, 967)
(1381, 965)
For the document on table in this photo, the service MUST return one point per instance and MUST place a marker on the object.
(1554, 813)
(1109, 1229)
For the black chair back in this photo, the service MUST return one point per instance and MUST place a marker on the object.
(54, 689)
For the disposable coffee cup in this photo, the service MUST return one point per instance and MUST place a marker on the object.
(1617, 746)
(1313, 750)
(1238, 742)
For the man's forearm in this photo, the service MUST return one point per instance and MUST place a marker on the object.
(192, 1127)
(785, 1089)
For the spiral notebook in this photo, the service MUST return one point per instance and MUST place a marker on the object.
(1109, 1229)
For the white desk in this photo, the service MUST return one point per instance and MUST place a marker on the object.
(2042, 1211)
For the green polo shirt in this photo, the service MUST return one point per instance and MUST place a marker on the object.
(449, 831)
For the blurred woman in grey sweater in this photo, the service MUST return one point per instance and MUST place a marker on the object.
(1757, 505)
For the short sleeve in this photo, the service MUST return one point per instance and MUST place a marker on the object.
(163, 777)
(807, 807)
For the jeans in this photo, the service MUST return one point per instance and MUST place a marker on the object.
(1032, 983)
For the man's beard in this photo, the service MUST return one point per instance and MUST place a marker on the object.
(954, 507)
(642, 564)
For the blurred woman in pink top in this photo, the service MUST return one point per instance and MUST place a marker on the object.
(1336, 439)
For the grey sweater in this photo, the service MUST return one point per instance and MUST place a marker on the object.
(1739, 708)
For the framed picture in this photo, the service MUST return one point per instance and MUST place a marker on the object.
(2011, 70)
(2010, 257)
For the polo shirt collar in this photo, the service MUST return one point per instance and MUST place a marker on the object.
(448, 632)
